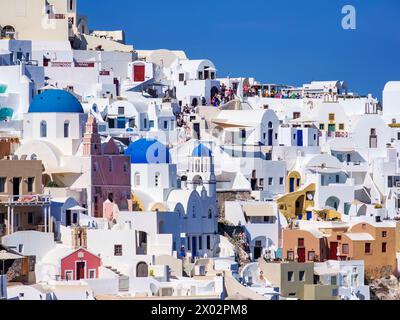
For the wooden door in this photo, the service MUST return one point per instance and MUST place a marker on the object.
(138, 73)
(80, 270)
(301, 254)
(333, 251)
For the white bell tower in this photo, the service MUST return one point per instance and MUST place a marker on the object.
(201, 170)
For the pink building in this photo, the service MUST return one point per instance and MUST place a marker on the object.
(110, 175)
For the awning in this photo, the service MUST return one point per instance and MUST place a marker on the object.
(360, 236)
(77, 208)
(229, 124)
(257, 210)
(5, 255)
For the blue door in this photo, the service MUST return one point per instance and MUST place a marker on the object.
(309, 215)
(300, 216)
(194, 247)
(299, 138)
(291, 185)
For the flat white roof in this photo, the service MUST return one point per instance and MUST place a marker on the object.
(360, 236)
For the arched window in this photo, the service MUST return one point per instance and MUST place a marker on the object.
(137, 179)
(197, 165)
(43, 129)
(142, 270)
(157, 179)
(66, 129)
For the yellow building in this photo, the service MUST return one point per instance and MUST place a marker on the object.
(298, 204)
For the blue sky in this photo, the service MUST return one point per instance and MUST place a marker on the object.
(285, 41)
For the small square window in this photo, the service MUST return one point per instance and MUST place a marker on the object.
(302, 276)
(345, 248)
(291, 276)
(368, 248)
(384, 234)
(118, 250)
(68, 275)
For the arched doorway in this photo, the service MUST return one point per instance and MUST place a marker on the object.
(270, 141)
(293, 181)
(195, 102)
(258, 247)
(214, 92)
(8, 32)
(141, 239)
(333, 202)
(197, 181)
(300, 207)
(142, 270)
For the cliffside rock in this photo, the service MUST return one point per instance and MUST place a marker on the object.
(387, 288)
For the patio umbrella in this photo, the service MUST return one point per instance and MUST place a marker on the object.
(5, 255)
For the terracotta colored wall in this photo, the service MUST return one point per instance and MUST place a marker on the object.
(311, 243)
(377, 262)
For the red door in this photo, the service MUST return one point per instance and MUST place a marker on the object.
(333, 251)
(80, 270)
(138, 73)
(301, 254)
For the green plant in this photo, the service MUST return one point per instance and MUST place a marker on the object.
(52, 184)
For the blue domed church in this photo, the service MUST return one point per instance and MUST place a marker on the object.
(56, 116)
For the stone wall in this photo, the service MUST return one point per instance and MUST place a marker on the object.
(223, 196)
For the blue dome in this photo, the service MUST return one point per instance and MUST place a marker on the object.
(201, 151)
(148, 151)
(55, 101)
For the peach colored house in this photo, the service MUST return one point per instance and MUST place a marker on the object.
(374, 243)
(304, 245)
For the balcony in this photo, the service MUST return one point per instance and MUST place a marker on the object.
(27, 200)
